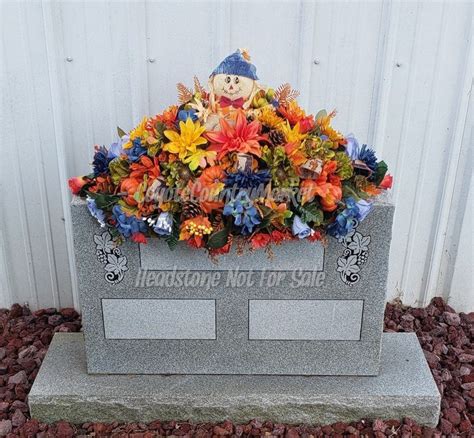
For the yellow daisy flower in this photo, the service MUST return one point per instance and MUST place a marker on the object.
(292, 135)
(324, 123)
(200, 158)
(138, 131)
(268, 117)
(185, 142)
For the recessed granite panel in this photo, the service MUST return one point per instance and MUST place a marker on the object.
(310, 257)
(159, 319)
(310, 320)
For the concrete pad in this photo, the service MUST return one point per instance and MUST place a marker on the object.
(64, 391)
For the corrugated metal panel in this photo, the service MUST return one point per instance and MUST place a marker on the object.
(400, 75)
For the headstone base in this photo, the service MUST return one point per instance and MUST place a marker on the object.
(64, 391)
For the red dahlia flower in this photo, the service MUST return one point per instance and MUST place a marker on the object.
(260, 240)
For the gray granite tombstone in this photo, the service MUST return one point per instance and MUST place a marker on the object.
(309, 310)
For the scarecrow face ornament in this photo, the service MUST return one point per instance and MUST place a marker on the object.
(234, 81)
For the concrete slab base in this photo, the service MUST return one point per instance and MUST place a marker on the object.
(64, 391)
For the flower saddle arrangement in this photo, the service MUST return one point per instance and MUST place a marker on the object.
(235, 164)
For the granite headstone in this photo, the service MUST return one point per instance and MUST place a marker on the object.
(308, 310)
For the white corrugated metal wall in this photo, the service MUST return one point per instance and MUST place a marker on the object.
(399, 73)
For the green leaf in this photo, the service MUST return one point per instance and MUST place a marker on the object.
(320, 114)
(153, 149)
(116, 236)
(121, 132)
(218, 239)
(173, 239)
(266, 221)
(349, 191)
(312, 213)
(104, 201)
(172, 242)
(380, 172)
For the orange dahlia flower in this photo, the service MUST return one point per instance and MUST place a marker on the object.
(243, 137)
(145, 165)
(292, 112)
(168, 117)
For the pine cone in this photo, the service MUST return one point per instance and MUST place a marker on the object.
(276, 137)
(191, 209)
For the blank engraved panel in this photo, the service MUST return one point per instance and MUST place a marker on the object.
(159, 319)
(315, 320)
(156, 256)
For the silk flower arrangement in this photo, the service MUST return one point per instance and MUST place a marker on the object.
(237, 164)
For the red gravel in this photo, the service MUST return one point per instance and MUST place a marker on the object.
(446, 337)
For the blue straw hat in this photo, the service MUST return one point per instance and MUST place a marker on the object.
(236, 64)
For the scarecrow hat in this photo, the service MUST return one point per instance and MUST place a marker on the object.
(238, 63)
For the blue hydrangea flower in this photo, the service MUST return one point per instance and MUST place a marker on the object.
(300, 229)
(247, 179)
(344, 220)
(245, 214)
(341, 226)
(184, 115)
(95, 211)
(136, 151)
(127, 225)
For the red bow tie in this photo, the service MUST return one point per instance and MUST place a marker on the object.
(237, 103)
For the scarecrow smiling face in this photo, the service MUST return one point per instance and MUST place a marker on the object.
(234, 80)
(233, 86)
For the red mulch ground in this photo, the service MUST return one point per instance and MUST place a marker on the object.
(446, 338)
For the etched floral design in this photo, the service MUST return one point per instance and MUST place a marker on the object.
(108, 253)
(104, 246)
(348, 266)
(355, 254)
(115, 268)
(359, 243)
